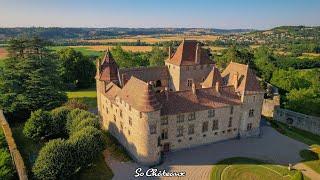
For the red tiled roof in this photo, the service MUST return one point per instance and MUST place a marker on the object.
(145, 73)
(213, 77)
(139, 95)
(186, 54)
(247, 80)
(205, 98)
(111, 91)
(109, 68)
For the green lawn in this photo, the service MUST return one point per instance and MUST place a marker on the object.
(241, 168)
(87, 96)
(311, 159)
(84, 50)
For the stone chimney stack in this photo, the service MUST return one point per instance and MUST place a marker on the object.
(235, 79)
(194, 88)
(169, 52)
(98, 65)
(198, 53)
(167, 93)
(217, 87)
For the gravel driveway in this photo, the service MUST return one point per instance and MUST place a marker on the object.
(197, 162)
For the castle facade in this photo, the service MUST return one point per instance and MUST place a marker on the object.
(186, 103)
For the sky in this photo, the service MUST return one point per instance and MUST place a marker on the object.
(226, 14)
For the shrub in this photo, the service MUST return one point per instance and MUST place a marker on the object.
(6, 170)
(87, 144)
(59, 120)
(79, 124)
(75, 117)
(76, 103)
(38, 125)
(55, 161)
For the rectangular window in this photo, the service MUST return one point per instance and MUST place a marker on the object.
(114, 118)
(211, 113)
(130, 121)
(215, 125)
(140, 114)
(191, 129)
(129, 108)
(231, 110)
(107, 110)
(164, 134)
(251, 112)
(230, 122)
(121, 125)
(205, 126)
(180, 131)
(192, 116)
(153, 129)
(164, 120)
(249, 126)
(189, 82)
(180, 118)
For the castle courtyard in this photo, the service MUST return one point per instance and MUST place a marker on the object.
(197, 162)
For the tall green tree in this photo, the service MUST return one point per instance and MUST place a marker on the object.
(157, 56)
(75, 68)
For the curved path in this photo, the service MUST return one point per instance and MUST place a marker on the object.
(197, 162)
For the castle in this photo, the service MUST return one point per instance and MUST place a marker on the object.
(186, 103)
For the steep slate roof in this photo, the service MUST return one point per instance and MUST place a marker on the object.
(205, 98)
(247, 80)
(145, 73)
(111, 91)
(139, 95)
(109, 68)
(186, 54)
(213, 77)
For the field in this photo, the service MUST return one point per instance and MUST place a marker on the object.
(155, 39)
(3, 55)
(245, 168)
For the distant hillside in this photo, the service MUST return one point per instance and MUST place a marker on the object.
(102, 33)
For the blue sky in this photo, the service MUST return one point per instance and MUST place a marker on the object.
(257, 14)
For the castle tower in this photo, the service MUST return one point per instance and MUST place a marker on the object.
(189, 64)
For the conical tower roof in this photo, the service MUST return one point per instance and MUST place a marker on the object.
(108, 68)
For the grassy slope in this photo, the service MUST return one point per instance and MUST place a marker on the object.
(246, 168)
(84, 50)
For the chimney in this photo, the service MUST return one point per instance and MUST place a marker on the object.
(235, 79)
(169, 52)
(217, 87)
(198, 53)
(193, 88)
(167, 93)
(98, 65)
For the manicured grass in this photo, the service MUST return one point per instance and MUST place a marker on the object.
(97, 171)
(87, 96)
(245, 168)
(297, 134)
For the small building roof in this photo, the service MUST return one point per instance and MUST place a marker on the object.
(186, 54)
(111, 91)
(247, 80)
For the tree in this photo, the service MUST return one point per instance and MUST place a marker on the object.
(6, 167)
(59, 120)
(56, 160)
(75, 68)
(157, 56)
(30, 82)
(88, 143)
(129, 59)
(38, 125)
(263, 63)
(243, 56)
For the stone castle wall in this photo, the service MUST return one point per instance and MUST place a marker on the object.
(269, 105)
(298, 120)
